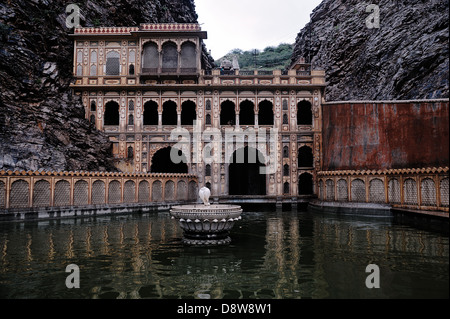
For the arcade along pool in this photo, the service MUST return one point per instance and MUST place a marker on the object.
(272, 255)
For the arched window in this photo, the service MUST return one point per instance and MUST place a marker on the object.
(286, 188)
(285, 119)
(111, 113)
(169, 114)
(188, 58)
(265, 114)
(80, 193)
(131, 69)
(130, 119)
(150, 58)
(227, 113)
(61, 195)
(188, 113)
(130, 152)
(98, 192)
(208, 170)
(93, 106)
(92, 119)
(132, 56)
(285, 151)
(358, 190)
(41, 194)
(150, 113)
(286, 170)
(80, 56)
(169, 57)
(247, 113)
(305, 157)
(112, 63)
(94, 57)
(304, 113)
(93, 70)
(208, 119)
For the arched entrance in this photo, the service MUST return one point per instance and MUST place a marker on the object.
(244, 173)
(305, 184)
(162, 163)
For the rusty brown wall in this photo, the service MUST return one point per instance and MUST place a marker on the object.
(367, 135)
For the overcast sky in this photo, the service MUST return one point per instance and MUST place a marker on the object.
(251, 24)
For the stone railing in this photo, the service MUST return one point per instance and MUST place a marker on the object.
(263, 77)
(419, 189)
(21, 190)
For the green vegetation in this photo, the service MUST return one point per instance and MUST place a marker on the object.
(271, 58)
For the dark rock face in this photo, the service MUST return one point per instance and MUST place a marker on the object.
(406, 58)
(42, 125)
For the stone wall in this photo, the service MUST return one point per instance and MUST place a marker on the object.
(385, 135)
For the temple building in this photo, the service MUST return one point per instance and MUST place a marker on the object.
(141, 84)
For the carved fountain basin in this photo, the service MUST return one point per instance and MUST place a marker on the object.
(206, 225)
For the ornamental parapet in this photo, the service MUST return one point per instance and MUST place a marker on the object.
(27, 190)
(157, 27)
(424, 188)
(393, 171)
(93, 174)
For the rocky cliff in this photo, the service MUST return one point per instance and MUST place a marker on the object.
(42, 124)
(407, 57)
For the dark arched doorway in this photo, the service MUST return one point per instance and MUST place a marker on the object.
(244, 173)
(265, 114)
(304, 113)
(247, 113)
(305, 157)
(111, 116)
(162, 163)
(305, 184)
(227, 113)
(188, 113)
(150, 113)
(169, 113)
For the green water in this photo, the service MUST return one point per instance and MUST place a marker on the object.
(273, 255)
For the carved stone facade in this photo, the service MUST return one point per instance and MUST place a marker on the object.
(140, 84)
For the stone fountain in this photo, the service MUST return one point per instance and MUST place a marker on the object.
(206, 224)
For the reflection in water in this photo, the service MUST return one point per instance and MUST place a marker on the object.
(273, 255)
